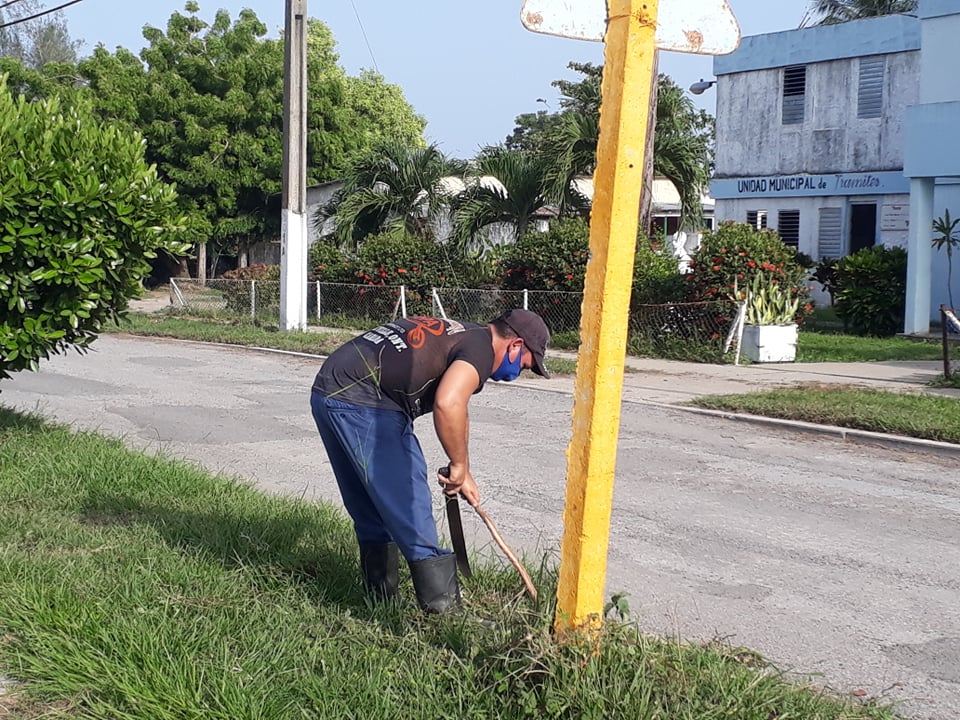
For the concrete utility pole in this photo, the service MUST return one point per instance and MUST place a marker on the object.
(293, 239)
(632, 31)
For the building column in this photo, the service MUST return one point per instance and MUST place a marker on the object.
(919, 255)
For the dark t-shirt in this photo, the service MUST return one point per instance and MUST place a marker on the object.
(397, 366)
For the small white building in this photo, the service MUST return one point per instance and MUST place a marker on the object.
(819, 131)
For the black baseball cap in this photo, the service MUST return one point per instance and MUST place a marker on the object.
(531, 327)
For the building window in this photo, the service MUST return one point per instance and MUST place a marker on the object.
(757, 218)
(830, 236)
(794, 94)
(788, 227)
(870, 93)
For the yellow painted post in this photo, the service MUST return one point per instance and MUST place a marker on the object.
(591, 457)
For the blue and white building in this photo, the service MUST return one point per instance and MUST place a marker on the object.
(845, 136)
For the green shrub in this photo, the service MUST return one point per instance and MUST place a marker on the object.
(826, 274)
(656, 275)
(328, 263)
(729, 258)
(81, 216)
(871, 291)
(552, 260)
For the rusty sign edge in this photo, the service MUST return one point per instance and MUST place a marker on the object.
(681, 27)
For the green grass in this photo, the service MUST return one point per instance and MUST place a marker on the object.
(230, 330)
(828, 347)
(138, 587)
(921, 416)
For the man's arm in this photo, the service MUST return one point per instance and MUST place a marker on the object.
(452, 423)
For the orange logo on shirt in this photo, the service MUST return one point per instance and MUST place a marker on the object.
(416, 336)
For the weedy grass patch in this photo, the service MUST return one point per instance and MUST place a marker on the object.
(135, 586)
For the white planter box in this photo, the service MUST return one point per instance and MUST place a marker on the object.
(770, 343)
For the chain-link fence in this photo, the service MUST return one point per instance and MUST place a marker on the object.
(559, 310)
(950, 327)
(690, 331)
(251, 298)
(683, 331)
(336, 304)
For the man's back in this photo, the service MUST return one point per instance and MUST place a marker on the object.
(397, 366)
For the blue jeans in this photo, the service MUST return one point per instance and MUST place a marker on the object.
(382, 475)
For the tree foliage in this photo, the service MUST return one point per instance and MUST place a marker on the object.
(37, 42)
(393, 184)
(683, 141)
(831, 12)
(81, 215)
(208, 98)
(514, 194)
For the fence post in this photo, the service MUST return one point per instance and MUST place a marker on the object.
(526, 297)
(318, 300)
(438, 305)
(403, 301)
(741, 319)
(253, 299)
(946, 342)
(176, 288)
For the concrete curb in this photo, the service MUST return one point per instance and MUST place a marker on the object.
(835, 431)
(840, 433)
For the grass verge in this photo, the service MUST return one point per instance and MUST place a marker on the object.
(138, 587)
(250, 333)
(827, 347)
(921, 416)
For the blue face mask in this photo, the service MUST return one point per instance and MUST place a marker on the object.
(508, 371)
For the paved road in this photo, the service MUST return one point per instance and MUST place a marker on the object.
(827, 557)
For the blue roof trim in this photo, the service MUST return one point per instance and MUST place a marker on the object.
(823, 43)
(937, 8)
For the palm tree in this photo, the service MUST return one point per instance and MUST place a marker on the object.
(508, 188)
(393, 184)
(680, 154)
(831, 12)
(681, 150)
(947, 237)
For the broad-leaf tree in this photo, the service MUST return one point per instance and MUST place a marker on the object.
(208, 98)
(831, 12)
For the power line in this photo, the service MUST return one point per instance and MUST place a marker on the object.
(364, 33)
(9, 3)
(37, 15)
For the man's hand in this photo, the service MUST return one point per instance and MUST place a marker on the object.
(455, 480)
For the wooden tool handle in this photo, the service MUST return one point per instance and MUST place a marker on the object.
(528, 583)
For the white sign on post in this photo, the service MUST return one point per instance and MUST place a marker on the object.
(701, 27)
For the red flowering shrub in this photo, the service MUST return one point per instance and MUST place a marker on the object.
(728, 259)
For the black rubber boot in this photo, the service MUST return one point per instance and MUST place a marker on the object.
(380, 565)
(435, 583)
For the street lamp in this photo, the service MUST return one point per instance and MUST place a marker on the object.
(698, 88)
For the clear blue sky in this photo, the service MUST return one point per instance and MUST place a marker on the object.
(468, 67)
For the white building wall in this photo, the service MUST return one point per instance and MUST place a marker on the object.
(752, 139)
